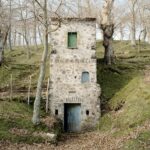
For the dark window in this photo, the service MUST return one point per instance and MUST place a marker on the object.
(85, 77)
(87, 112)
(72, 40)
(56, 111)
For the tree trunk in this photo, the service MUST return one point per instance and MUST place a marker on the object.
(107, 27)
(144, 35)
(40, 35)
(19, 39)
(133, 23)
(121, 32)
(28, 47)
(10, 26)
(9, 39)
(1, 49)
(5, 37)
(148, 37)
(36, 112)
(108, 31)
(14, 39)
(35, 28)
(133, 37)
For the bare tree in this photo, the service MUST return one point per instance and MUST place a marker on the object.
(4, 30)
(133, 21)
(107, 27)
(47, 23)
(36, 112)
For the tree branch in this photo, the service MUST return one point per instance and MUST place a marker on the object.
(39, 4)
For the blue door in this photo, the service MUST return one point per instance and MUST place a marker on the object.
(72, 117)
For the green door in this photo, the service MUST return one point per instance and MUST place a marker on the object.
(72, 40)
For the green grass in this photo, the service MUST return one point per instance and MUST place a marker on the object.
(14, 115)
(17, 114)
(17, 64)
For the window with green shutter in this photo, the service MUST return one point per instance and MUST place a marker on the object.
(72, 40)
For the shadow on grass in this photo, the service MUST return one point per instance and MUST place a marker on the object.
(112, 79)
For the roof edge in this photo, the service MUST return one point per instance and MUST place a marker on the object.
(74, 19)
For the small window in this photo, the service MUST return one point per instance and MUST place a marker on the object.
(85, 77)
(87, 112)
(56, 111)
(72, 40)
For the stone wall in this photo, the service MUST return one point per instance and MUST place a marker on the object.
(66, 67)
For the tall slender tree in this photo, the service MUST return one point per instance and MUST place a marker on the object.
(10, 25)
(1, 48)
(133, 21)
(36, 112)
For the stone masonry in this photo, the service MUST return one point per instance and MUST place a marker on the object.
(67, 66)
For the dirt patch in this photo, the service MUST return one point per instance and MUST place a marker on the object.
(19, 132)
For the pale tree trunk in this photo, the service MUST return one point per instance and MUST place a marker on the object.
(14, 38)
(10, 26)
(19, 39)
(1, 49)
(27, 44)
(133, 34)
(36, 112)
(107, 27)
(143, 23)
(121, 32)
(9, 40)
(25, 34)
(35, 28)
(133, 22)
(40, 35)
(144, 34)
(148, 36)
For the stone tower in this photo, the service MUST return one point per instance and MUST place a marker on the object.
(74, 92)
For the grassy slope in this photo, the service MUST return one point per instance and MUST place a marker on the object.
(16, 125)
(17, 64)
(126, 94)
(21, 68)
(13, 114)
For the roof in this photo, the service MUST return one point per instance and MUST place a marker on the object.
(74, 19)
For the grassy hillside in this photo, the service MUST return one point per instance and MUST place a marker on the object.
(15, 115)
(21, 68)
(16, 125)
(125, 93)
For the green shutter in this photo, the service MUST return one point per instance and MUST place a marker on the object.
(72, 40)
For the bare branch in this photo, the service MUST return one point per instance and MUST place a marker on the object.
(39, 4)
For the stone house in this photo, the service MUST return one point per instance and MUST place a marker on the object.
(74, 92)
